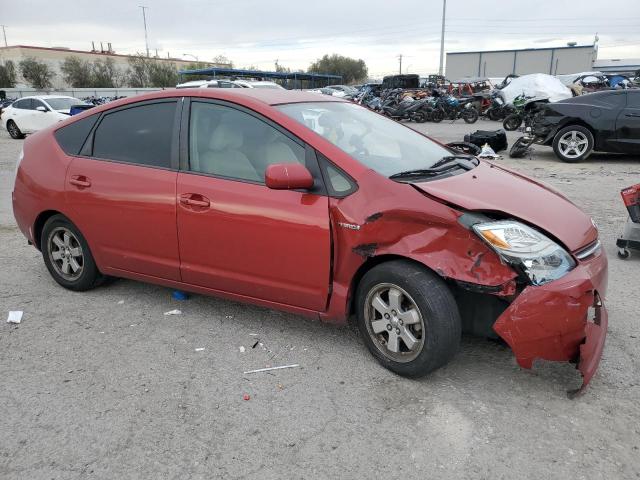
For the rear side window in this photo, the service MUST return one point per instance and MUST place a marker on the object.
(140, 135)
(72, 137)
(22, 104)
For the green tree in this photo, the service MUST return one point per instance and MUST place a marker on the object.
(76, 72)
(138, 73)
(105, 74)
(37, 74)
(352, 70)
(7, 74)
(162, 74)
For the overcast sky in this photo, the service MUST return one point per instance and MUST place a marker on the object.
(257, 32)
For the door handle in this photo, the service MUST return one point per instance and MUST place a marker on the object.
(80, 181)
(637, 115)
(194, 200)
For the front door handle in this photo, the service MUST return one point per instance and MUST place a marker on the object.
(80, 181)
(194, 200)
(636, 115)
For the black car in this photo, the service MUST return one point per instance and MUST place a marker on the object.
(607, 121)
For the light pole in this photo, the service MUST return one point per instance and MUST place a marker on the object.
(190, 55)
(144, 19)
(400, 58)
(5, 35)
(444, 13)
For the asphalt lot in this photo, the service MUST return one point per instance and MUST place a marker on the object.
(103, 385)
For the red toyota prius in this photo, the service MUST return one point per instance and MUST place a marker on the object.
(314, 205)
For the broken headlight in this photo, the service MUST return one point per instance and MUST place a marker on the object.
(540, 258)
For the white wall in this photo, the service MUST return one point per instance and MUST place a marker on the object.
(79, 92)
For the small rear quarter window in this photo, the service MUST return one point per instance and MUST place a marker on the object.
(72, 137)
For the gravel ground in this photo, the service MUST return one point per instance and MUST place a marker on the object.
(103, 385)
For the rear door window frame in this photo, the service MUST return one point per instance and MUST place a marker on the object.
(87, 149)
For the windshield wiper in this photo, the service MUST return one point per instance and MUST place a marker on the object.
(465, 162)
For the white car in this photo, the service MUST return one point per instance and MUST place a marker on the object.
(257, 84)
(30, 114)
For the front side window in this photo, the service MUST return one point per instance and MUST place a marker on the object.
(375, 141)
(140, 134)
(230, 143)
(36, 104)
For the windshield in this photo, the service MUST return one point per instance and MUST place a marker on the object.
(63, 103)
(378, 142)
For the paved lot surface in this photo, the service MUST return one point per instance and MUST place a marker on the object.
(104, 385)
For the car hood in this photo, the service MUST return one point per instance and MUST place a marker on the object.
(490, 188)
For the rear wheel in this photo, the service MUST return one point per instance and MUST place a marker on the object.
(67, 255)
(14, 131)
(494, 114)
(512, 122)
(408, 318)
(573, 143)
(623, 253)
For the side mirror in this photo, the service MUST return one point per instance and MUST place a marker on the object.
(288, 176)
(41, 109)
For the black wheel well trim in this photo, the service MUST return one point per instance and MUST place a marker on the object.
(372, 262)
(38, 224)
(579, 122)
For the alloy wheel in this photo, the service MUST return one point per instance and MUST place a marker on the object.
(394, 322)
(573, 144)
(65, 253)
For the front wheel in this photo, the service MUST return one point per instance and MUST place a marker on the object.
(437, 116)
(408, 318)
(67, 255)
(573, 143)
(14, 131)
(470, 115)
(512, 122)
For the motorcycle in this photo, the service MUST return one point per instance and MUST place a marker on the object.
(453, 108)
(498, 109)
(405, 108)
(524, 110)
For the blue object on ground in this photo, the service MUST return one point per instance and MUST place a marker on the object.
(179, 295)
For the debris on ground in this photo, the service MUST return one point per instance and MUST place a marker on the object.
(120, 302)
(246, 396)
(180, 295)
(255, 344)
(15, 316)
(268, 369)
(241, 349)
(488, 152)
(173, 312)
(199, 349)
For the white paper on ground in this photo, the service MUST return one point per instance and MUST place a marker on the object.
(15, 316)
(173, 312)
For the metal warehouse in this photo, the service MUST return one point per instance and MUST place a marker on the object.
(499, 63)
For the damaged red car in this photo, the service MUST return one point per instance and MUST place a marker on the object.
(317, 206)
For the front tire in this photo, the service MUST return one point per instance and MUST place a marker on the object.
(573, 143)
(408, 318)
(67, 255)
(470, 115)
(14, 131)
(512, 122)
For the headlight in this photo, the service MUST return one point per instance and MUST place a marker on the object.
(540, 258)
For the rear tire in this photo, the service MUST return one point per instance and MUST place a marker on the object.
(14, 131)
(493, 114)
(512, 122)
(573, 143)
(67, 255)
(408, 318)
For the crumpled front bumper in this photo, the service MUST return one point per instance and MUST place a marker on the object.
(564, 320)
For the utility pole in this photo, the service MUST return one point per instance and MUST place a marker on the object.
(5, 35)
(144, 19)
(444, 14)
(400, 58)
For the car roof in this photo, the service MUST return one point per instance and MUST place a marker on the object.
(262, 95)
(44, 97)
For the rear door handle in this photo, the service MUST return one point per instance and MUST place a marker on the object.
(194, 200)
(637, 115)
(80, 181)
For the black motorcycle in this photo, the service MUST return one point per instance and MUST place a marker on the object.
(398, 107)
